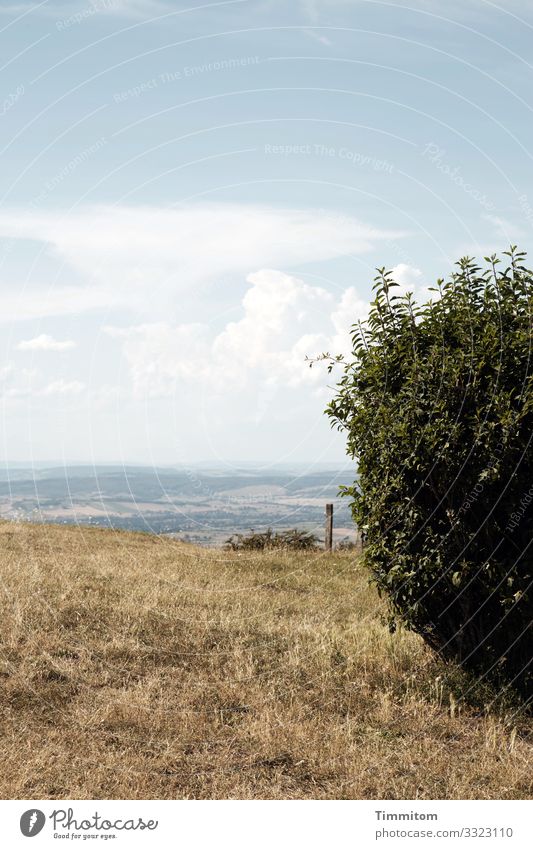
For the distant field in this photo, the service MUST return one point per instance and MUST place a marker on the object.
(198, 505)
(133, 666)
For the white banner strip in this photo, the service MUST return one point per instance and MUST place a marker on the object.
(258, 824)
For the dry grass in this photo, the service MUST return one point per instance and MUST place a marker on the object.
(135, 667)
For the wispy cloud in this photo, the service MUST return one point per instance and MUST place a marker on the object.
(40, 302)
(505, 230)
(315, 35)
(86, 10)
(124, 253)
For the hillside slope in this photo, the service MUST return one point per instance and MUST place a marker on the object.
(137, 667)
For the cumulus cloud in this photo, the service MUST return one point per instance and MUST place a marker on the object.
(350, 309)
(283, 320)
(160, 354)
(44, 342)
(279, 311)
(129, 251)
(407, 276)
(412, 279)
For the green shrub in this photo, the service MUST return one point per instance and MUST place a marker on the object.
(437, 404)
(294, 539)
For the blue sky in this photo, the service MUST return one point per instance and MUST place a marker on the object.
(194, 198)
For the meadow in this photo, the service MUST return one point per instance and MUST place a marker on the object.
(139, 667)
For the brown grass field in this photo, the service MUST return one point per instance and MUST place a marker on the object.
(141, 668)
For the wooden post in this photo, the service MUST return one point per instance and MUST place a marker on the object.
(329, 527)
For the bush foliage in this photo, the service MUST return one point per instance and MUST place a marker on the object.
(437, 403)
(294, 539)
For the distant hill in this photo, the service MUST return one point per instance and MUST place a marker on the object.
(198, 504)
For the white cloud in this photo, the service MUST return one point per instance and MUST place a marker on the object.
(124, 252)
(412, 279)
(284, 320)
(160, 354)
(62, 387)
(407, 276)
(279, 311)
(350, 309)
(15, 383)
(44, 342)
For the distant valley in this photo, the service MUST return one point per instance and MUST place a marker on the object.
(199, 505)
